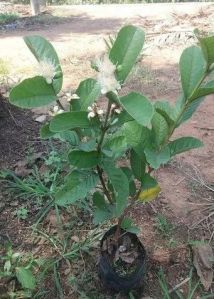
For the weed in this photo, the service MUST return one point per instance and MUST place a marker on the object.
(192, 288)
(16, 271)
(6, 18)
(21, 213)
(163, 226)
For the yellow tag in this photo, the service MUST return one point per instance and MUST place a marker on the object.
(149, 194)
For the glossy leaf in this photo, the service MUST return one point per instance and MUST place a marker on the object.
(192, 69)
(183, 144)
(120, 184)
(45, 52)
(207, 45)
(204, 90)
(127, 224)
(45, 132)
(88, 91)
(125, 50)
(102, 211)
(139, 107)
(26, 278)
(130, 176)
(70, 120)
(76, 187)
(82, 159)
(157, 158)
(167, 111)
(188, 111)
(70, 136)
(32, 93)
(117, 145)
(138, 165)
(148, 181)
(160, 128)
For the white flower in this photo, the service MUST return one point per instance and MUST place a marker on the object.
(90, 108)
(118, 111)
(113, 106)
(91, 115)
(47, 70)
(100, 112)
(106, 75)
(75, 96)
(56, 111)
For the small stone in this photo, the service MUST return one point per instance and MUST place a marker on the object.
(161, 256)
(75, 239)
(163, 200)
(41, 118)
(14, 203)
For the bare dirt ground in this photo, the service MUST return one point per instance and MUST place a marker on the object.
(79, 39)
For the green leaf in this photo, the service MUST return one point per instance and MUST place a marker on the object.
(82, 159)
(76, 187)
(135, 133)
(127, 224)
(189, 110)
(44, 51)
(183, 144)
(148, 181)
(192, 69)
(130, 177)
(150, 188)
(117, 145)
(69, 136)
(204, 90)
(45, 132)
(160, 128)
(120, 184)
(88, 91)
(138, 165)
(207, 45)
(32, 93)
(157, 158)
(88, 146)
(139, 107)
(26, 278)
(164, 108)
(71, 120)
(125, 50)
(103, 211)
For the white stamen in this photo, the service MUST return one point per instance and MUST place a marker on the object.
(47, 70)
(91, 115)
(100, 112)
(106, 75)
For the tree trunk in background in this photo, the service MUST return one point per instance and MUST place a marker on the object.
(35, 7)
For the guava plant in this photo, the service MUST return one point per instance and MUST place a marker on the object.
(114, 149)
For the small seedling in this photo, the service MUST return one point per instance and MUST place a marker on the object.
(19, 268)
(164, 226)
(21, 213)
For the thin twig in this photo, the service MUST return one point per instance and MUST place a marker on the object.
(179, 285)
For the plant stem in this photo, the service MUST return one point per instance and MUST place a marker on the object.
(133, 200)
(60, 104)
(105, 190)
(104, 128)
(99, 146)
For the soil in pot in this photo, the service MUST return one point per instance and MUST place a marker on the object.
(122, 262)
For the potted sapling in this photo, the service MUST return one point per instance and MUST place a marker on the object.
(116, 144)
